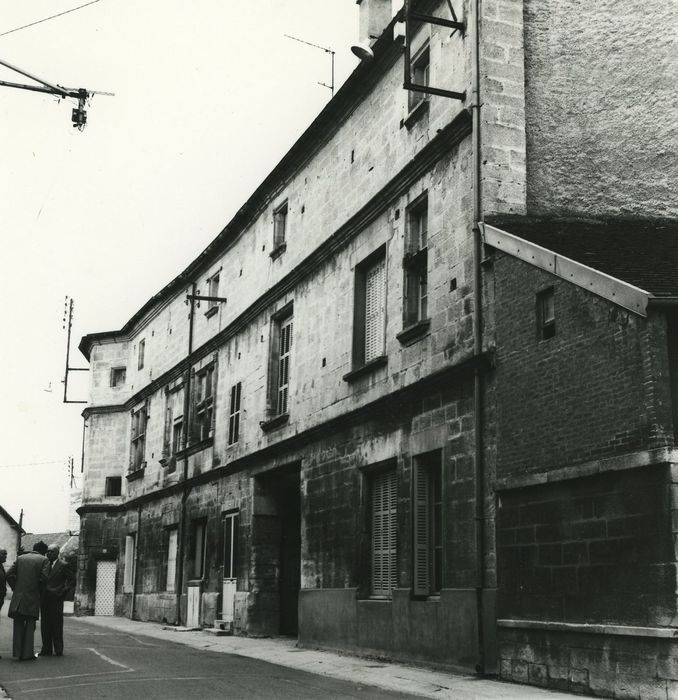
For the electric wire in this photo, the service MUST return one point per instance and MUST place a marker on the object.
(30, 464)
(46, 19)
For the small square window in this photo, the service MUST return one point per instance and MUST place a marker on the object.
(113, 486)
(118, 376)
(546, 314)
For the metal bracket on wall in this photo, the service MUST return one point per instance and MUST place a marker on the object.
(412, 20)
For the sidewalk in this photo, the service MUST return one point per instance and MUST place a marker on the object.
(389, 676)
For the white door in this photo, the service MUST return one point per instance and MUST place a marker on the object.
(104, 595)
(193, 606)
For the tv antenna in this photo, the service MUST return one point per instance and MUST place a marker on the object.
(79, 114)
(322, 48)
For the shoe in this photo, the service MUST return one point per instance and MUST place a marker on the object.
(45, 653)
(59, 653)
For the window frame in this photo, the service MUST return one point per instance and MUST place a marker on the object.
(546, 313)
(129, 563)
(198, 548)
(172, 538)
(415, 263)
(109, 482)
(420, 74)
(230, 524)
(279, 367)
(141, 354)
(280, 226)
(213, 291)
(203, 406)
(139, 422)
(117, 372)
(428, 546)
(234, 414)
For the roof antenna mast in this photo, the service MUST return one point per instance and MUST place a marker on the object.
(322, 48)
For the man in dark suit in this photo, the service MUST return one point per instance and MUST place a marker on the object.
(3, 578)
(60, 581)
(27, 576)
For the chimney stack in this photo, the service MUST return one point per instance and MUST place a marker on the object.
(375, 16)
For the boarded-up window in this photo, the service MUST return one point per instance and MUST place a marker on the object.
(427, 519)
(384, 529)
(172, 542)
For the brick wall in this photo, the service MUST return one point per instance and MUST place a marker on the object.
(602, 113)
(599, 388)
(596, 549)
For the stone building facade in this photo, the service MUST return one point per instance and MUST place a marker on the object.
(397, 407)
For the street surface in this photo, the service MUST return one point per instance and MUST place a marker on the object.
(101, 663)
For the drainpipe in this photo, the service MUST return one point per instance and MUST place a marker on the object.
(184, 491)
(479, 485)
(137, 548)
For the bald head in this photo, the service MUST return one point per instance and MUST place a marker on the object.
(53, 552)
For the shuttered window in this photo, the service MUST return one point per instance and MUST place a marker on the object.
(284, 349)
(427, 519)
(172, 542)
(234, 414)
(138, 439)
(375, 309)
(384, 527)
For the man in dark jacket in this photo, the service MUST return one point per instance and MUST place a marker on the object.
(27, 576)
(3, 578)
(60, 581)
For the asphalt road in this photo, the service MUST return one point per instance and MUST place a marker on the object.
(101, 663)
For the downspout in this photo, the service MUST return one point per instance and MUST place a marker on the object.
(178, 586)
(479, 480)
(137, 548)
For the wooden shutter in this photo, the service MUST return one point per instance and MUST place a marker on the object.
(375, 310)
(384, 530)
(422, 530)
(284, 350)
(169, 422)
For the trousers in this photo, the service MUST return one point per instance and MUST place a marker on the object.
(22, 640)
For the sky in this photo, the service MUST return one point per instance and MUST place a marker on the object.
(208, 97)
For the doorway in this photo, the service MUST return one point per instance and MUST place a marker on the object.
(104, 592)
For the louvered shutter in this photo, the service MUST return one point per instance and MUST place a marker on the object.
(169, 420)
(284, 349)
(384, 530)
(375, 299)
(422, 531)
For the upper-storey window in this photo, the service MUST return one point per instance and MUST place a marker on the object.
(213, 290)
(421, 68)
(234, 414)
(415, 263)
(118, 376)
(138, 439)
(203, 403)
(174, 425)
(141, 351)
(279, 229)
(283, 352)
(369, 316)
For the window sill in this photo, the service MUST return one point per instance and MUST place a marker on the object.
(278, 250)
(415, 114)
(367, 368)
(211, 311)
(137, 473)
(195, 447)
(416, 331)
(274, 423)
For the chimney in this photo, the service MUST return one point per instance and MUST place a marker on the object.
(375, 16)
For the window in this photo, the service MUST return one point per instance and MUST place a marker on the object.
(113, 486)
(203, 406)
(281, 350)
(279, 226)
(137, 452)
(230, 540)
(420, 70)
(546, 314)
(130, 559)
(415, 263)
(174, 424)
(369, 319)
(198, 548)
(213, 290)
(118, 376)
(141, 353)
(171, 571)
(427, 517)
(234, 414)
(383, 531)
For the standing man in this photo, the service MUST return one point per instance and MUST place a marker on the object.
(27, 576)
(3, 577)
(60, 580)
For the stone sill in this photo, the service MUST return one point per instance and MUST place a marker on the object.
(278, 250)
(586, 628)
(367, 368)
(414, 332)
(415, 114)
(137, 473)
(274, 423)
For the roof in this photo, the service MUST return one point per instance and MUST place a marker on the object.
(58, 538)
(13, 523)
(643, 253)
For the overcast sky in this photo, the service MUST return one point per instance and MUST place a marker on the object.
(209, 95)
